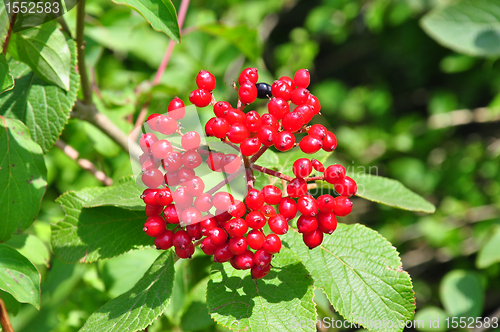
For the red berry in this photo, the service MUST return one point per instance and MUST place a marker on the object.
(164, 197)
(176, 109)
(252, 121)
(255, 239)
(172, 178)
(284, 141)
(181, 239)
(307, 206)
(191, 159)
(342, 206)
(237, 133)
(185, 174)
(334, 173)
(272, 194)
(293, 121)
(165, 240)
(238, 245)
(235, 116)
(236, 227)
(191, 216)
(314, 102)
(288, 81)
(172, 162)
(318, 131)
(200, 97)
(208, 127)
(237, 209)
(296, 188)
(205, 80)
(194, 231)
(299, 96)
(268, 211)
(146, 142)
(186, 252)
(203, 202)
(161, 148)
(325, 203)
(153, 210)
(222, 253)
(149, 196)
(248, 74)
(152, 178)
(310, 144)
(222, 200)
(208, 247)
(302, 167)
(154, 226)
(207, 224)
(278, 107)
(313, 239)
(281, 89)
(245, 260)
(255, 219)
(271, 121)
(254, 199)
(250, 146)
(170, 214)
(346, 187)
(329, 142)
(267, 135)
(182, 198)
(191, 140)
(327, 223)
(218, 236)
(151, 121)
(307, 112)
(247, 93)
(318, 166)
(288, 208)
(278, 224)
(272, 244)
(166, 125)
(258, 272)
(220, 127)
(148, 162)
(221, 108)
(262, 258)
(307, 224)
(302, 78)
(213, 161)
(231, 163)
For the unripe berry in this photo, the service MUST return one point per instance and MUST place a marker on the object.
(306, 224)
(307, 206)
(284, 141)
(278, 107)
(262, 258)
(247, 93)
(278, 224)
(342, 206)
(255, 239)
(181, 239)
(200, 97)
(310, 144)
(248, 74)
(313, 239)
(346, 187)
(288, 208)
(329, 142)
(254, 199)
(165, 240)
(302, 167)
(334, 173)
(154, 226)
(327, 223)
(176, 109)
(272, 244)
(325, 203)
(296, 188)
(272, 194)
(205, 80)
(258, 272)
(191, 140)
(238, 245)
(302, 78)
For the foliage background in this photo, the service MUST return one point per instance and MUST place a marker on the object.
(388, 91)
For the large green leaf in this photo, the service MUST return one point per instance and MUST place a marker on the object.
(361, 274)
(6, 79)
(278, 302)
(19, 277)
(125, 195)
(139, 307)
(43, 107)
(160, 14)
(23, 177)
(87, 235)
(490, 252)
(462, 294)
(470, 26)
(45, 50)
(31, 247)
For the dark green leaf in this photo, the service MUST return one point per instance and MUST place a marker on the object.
(6, 79)
(87, 235)
(361, 274)
(126, 195)
(23, 177)
(160, 14)
(19, 277)
(43, 107)
(139, 307)
(275, 303)
(45, 50)
(462, 294)
(470, 26)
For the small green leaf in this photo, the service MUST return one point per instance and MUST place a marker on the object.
(431, 319)
(45, 50)
(269, 159)
(490, 252)
(160, 14)
(361, 274)
(390, 192)
(241, 36)
(31, 247)
(471, 26)
(89, 234)
(23, 177)
(19, 277)
(462, 294)
(126, 195)
(6, 79)
(139, 307)
(278, 302)
(43, 107)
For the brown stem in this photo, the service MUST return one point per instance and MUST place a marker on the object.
(80, 44)
(258, 154)
(272, 172)
(249, 173)
(224, 182)
(4, 318)
(9, 33)
(314, 178)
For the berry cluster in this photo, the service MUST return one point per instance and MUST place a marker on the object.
(225, 227)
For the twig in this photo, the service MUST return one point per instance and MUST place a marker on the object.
(314, 178)
(224, 182)
(9, 33)
(4, 318)
(462, 117)
(80, 41)
(271, 172)
(258, 154)
(248, 173)
(84, 163)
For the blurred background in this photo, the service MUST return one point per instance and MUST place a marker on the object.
(396, 100)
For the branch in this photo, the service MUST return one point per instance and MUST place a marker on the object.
(314, 178)
(4, 318)
(462, 117)
(224, 182)
(271, 172)
(248, 173)
(259, 153)
(9, 33)
(80, 44)
(84, 163)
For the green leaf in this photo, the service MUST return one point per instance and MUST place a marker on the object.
(43, 107)
(462, 294)
(86, 235)
(23, 177)
(241, 36)
(269, 159)
(11, 303)
(431, 319)
(390, 192)
(160, 14)
(6, 79)
(45, 50)
(196, 316)
(19, 277)
(471, 26)
(126, 195)
(4, 24)
(275, 303)
(31, 247)
(490, 252)
(139, 307)
(361, 274)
